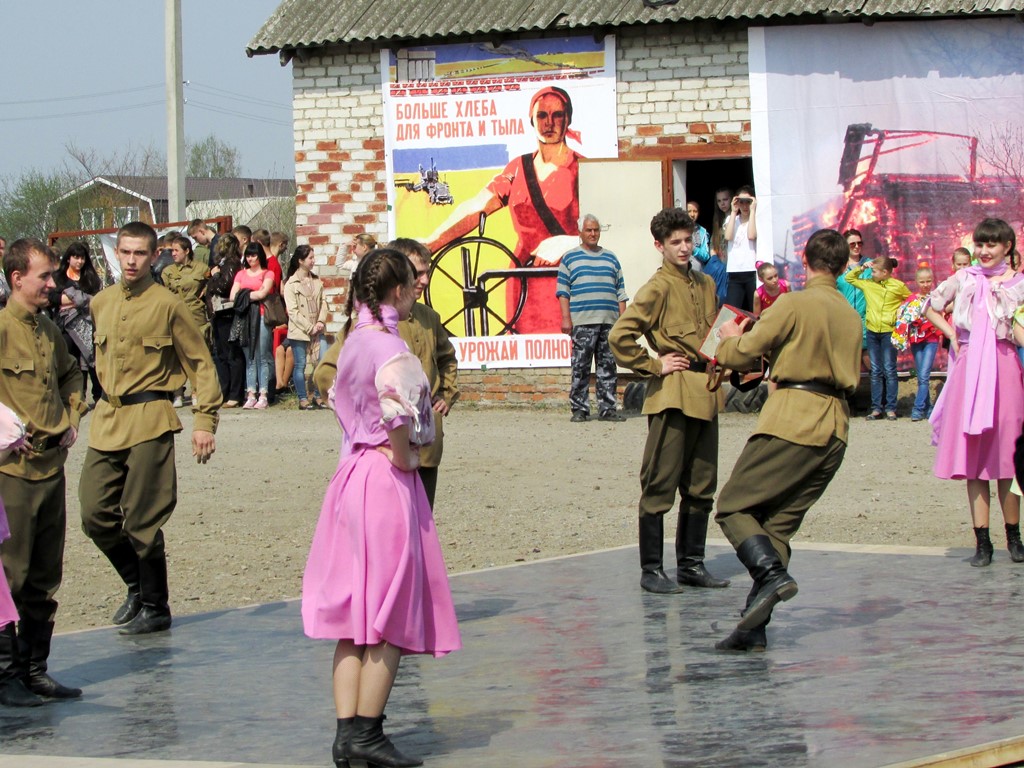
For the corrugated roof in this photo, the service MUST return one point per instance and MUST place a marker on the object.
(312, 23)
(155, 187)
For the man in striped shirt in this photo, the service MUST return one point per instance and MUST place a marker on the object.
(591, 294)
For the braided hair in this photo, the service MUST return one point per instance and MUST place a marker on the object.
(379, 272)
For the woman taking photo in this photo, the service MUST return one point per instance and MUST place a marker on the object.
(259, 281)
(375, 581)
(307, 317)
(77, 282)
(227, 261)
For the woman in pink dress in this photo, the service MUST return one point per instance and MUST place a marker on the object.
(980, 411)
(12, 436)
(375, 580)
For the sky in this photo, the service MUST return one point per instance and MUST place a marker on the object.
(92, 73)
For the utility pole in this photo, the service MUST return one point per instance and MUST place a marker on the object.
(174, 90)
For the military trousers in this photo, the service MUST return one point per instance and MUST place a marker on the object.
(772, 486)
(34, 555)
(130, 494)
(681, 455)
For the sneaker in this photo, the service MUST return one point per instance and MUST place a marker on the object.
(250, 402)
(916, 417)
(611, 416)
(230, 404)
(874, 416)
(262, 402)
(579, 416)
(891, 416)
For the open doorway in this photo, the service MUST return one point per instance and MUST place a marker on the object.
(698, 179)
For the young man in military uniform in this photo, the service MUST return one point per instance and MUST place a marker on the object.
(428, 340)
(813, 338)
(146, 345)
(42, 383)
(674, 311)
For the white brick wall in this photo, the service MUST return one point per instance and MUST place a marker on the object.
(679, 86)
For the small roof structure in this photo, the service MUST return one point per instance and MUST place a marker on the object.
(313, 23)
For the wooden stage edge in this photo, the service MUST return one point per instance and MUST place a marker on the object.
(994, 754)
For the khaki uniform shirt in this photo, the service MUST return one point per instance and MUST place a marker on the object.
(147, 341)
(201, 253)
(41, 382)
(811, 335)
(674, 311)
(189, 282)
(426, 338)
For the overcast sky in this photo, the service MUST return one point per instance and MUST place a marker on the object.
(92, 72)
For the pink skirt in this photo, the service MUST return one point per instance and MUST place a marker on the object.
(988, 456)
(375, 570)
(8, 612)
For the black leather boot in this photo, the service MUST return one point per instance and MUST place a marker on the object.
(691, 535)
(13, 692)
(746, 640)
(122, 556)
(770, 576)
(370, 747)
(35, 638)
(342, 742)
(652, 546)
(155, 615)
(1013, 543)
(983, 551)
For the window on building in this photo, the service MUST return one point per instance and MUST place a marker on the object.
(124, 214)
(92, 218)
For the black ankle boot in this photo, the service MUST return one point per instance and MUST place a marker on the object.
(155, 615)
(13, 692)
(983, 550)
(1013, 543)
(122, 556)
(342, 739)
(652, 546)
(745, 641)
(691, 535)
(36, 638)
(771, 577)
(370, 747)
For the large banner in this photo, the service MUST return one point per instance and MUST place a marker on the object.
(910, 132)
(482, 145)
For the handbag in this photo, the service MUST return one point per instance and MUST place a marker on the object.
(274, 311)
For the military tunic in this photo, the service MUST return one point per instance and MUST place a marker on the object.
(188, 281)
(674, 312)
(146, 341)
(798, 444)
(41, 382)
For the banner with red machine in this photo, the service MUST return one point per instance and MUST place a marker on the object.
(910, 132)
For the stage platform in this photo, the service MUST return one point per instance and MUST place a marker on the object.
(887, 656)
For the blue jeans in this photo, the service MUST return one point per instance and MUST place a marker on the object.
(883, 371)
(299, 349)
(924, 357)
(257, 367)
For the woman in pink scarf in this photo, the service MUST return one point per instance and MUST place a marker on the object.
(980, 411)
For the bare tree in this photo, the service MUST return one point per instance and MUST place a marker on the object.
(1002, 151)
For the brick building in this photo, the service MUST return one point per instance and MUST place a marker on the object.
(683, 111)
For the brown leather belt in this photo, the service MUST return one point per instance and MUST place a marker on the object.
(136, 399)
(813, 386)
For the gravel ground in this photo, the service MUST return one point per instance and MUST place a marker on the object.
(515, 485)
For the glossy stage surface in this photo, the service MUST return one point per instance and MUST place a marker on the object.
(884, 656)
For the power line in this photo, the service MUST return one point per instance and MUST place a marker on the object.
(82, 96)
(103, 111)
(233, 113)
(221, 93)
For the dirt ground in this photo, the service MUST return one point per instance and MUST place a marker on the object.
(515, 485)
